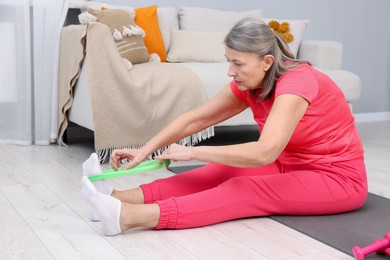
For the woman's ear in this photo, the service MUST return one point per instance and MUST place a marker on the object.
(268, 61)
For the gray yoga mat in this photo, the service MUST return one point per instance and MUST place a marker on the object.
(341, 231)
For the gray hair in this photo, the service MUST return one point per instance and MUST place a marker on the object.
(252, 35)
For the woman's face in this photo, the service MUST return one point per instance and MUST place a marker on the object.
(246, 69)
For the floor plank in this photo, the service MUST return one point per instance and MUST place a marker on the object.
(15, 233)
(27, 254)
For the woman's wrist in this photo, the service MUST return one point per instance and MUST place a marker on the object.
(192, 153)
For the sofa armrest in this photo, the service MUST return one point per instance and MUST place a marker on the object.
(322, 54)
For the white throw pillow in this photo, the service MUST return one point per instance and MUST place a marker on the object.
(297, 28)
(205, 19)
(196, 46)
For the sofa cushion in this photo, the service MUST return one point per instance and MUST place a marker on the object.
(147, 19)
(168, 21)
(206, 19)
(297, 28)
(195, 46)
(130, 47)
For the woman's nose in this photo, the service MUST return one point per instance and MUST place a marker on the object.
(231, 72)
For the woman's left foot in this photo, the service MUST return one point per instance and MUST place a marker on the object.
(92, 167)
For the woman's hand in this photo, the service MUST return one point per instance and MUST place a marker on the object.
(134, 155)
(177, 152)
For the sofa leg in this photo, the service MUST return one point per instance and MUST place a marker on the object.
(65, 137)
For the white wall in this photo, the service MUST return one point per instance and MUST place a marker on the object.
(362, 26)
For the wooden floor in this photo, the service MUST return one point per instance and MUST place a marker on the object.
(43, 216)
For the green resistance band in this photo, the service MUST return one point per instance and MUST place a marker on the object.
(142, 167)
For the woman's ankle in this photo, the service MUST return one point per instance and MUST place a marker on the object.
(134, 196)
(139, 215)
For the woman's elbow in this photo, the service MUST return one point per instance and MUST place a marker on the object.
(268, 155)
(266, 160)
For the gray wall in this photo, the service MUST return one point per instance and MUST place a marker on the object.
(362, 26)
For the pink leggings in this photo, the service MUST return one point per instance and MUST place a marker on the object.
(217, 193)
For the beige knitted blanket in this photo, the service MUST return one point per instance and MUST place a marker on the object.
(130, 107)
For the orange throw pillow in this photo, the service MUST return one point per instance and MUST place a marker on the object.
(147, 19)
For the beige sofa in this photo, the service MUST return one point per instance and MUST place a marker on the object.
(324, 55)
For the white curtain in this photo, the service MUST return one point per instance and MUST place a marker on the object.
(48, 20)
(15, 73)
(28, 69)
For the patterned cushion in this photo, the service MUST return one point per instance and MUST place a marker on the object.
(131, 47)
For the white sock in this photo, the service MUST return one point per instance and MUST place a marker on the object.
(92, 167)
(108, 208)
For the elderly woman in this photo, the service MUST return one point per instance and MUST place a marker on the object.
(307, 161)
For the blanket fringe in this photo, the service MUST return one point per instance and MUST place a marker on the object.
(104, 154)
